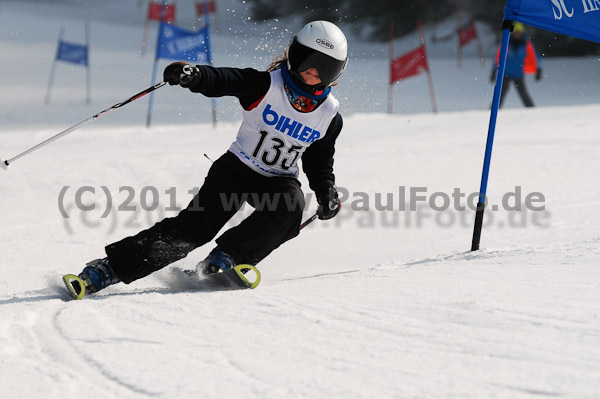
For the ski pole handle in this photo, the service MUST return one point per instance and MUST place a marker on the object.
(187, 75)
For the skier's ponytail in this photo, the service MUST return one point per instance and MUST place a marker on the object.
(277, 62)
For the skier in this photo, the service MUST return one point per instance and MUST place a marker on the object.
(522, 58)
(289, 113)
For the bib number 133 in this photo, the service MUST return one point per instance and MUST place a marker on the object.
(278, 152)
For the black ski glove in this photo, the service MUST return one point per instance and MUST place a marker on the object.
(181, 73)
(329, 203)
(538, 74)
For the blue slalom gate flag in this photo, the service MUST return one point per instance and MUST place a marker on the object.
(577, 18)
(74, 53)
(180, 44)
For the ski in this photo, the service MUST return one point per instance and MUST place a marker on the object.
(75, 286)
(233, 278)
(230, 279)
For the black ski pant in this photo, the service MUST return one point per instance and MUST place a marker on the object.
(278, 203)
(521, 89)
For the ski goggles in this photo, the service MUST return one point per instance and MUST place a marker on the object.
(302, 57)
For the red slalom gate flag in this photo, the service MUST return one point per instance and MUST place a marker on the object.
(155, 9)
(467, 34)
(211, 5)
(409, 64)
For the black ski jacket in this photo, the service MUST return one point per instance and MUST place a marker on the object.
(250, 86)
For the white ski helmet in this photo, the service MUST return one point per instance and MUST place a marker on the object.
(320, 45)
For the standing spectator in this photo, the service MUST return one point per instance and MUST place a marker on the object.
(521, 59)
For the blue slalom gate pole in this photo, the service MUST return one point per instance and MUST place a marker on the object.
(213, 100)
(53, 69)
(151, 99)
(158, 44)
(88, 74)
(507, 27)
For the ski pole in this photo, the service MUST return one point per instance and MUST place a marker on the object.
(308, 221)
(313, 217)
(4, 163)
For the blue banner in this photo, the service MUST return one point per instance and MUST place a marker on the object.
(578, 18)
(179, 44)
(75, 53)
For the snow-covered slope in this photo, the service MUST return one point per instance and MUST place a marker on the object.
(373, 304)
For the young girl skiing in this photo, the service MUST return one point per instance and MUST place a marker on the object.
(289, 114)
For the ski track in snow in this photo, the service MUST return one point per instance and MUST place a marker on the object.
(61, 348)
(495, 336)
